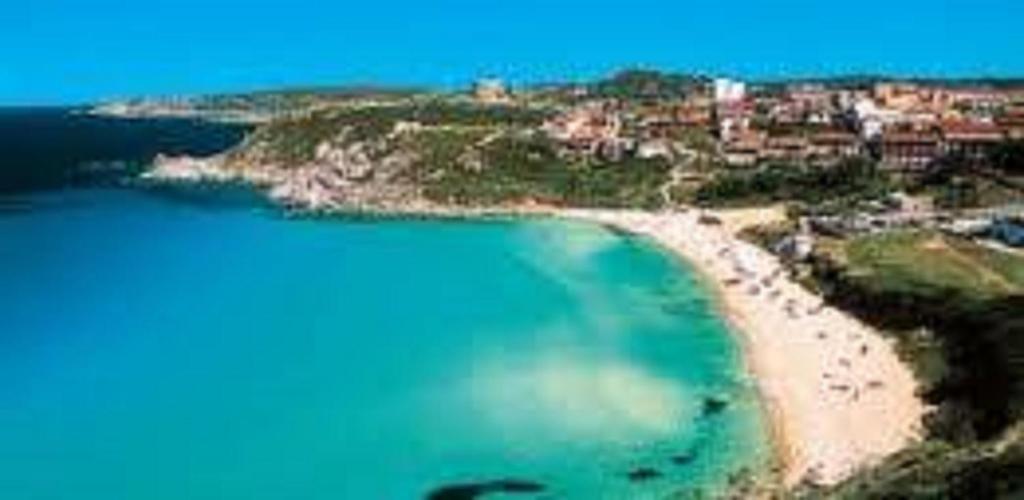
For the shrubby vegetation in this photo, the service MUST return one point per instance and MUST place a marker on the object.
(842, 184)
(940, 471)
(520, 168)
(299, 98)
(643, 84)
(294, 141)
(469, 154)
(953, 182)
(957, 183)
(1009, 157)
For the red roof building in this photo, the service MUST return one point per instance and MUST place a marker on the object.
(794, 148)
(910, 149)
(835, 145)
(970, 140)
(1012, 122)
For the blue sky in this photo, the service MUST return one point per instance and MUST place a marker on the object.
(65, 51)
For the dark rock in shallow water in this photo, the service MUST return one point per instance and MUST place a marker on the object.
(714, 405)
(683, 459)
(471, 491)
(643, 474)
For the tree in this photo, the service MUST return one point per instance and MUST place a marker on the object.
(1009, 157)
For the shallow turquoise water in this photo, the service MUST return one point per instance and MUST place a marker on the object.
(152, 348)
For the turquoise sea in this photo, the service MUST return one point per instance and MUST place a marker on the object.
(200, 345)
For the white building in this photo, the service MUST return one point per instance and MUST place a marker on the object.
(727, 90)
(873, 119)
(654, 149)
(490, 91)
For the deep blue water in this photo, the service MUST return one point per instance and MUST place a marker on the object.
(50, 148)
(200, 345)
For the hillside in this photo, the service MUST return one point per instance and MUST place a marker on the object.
(433, 152)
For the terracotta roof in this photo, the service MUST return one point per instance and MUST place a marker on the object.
(747, 141)
(834, 137)
(1013, 118)
(735, 108)
(972, 131)
(787, 141)
(910, 138)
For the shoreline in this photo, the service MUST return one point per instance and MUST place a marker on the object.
(835, 395)
(810, 442)
(772, 419)
(823, 424)
(815, 436)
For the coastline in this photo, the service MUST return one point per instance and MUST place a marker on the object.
(772, 417)
(773, 420)
(836, 396)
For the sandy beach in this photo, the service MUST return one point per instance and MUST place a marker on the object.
(838, 396)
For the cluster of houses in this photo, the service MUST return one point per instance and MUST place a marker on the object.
(903, 125)
(591, 129)
(1003, 224)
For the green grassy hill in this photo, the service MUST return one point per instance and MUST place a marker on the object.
(957, 311)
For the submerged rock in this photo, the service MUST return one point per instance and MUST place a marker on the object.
(682, 459)
(714, 405)
(470, 491)
(643, 474)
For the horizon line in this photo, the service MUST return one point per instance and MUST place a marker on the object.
(437, 87)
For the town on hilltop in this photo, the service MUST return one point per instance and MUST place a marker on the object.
(855, 153)
(903, 124)
(914, 130)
